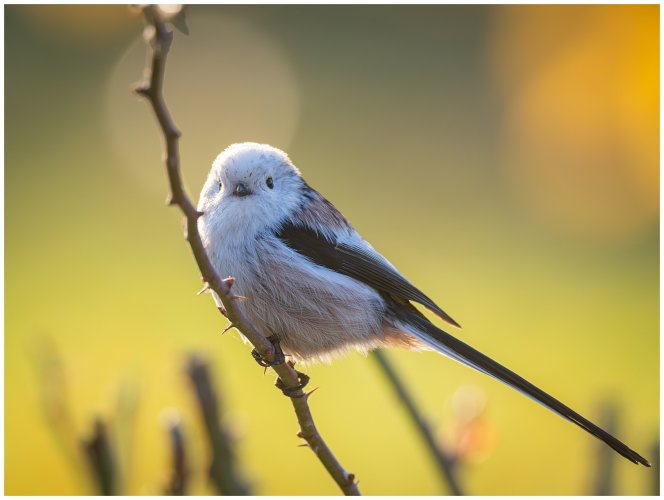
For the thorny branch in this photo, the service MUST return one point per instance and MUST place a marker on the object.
(158, 36)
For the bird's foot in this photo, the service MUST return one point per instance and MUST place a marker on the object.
(279, 356)
(291, 392)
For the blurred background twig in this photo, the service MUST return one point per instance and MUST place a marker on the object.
(605, 462)
(444, 462)
(179, 475)
(223, 469)
(101, 458)
(54, 398)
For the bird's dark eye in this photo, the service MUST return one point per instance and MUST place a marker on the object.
(220, 184)
(269, 182)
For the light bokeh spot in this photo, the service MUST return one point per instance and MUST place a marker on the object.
(582, 118)
(229, 83)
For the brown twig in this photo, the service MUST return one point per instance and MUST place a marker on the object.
(177, 483)
(158, 36)
(223, 470)
(445, 464)
(97, 449)
(92, 456)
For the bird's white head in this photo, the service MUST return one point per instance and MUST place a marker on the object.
(252, 186)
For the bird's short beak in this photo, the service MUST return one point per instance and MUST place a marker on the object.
(241, 190)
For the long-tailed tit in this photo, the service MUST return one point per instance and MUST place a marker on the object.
(312, 281)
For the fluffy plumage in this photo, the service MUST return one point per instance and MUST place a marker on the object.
(315, 311)
(311, 279)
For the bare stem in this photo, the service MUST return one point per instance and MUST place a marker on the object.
(158, 36)
(223, 470)
(177, 483)
(100, 457)
(445, 464)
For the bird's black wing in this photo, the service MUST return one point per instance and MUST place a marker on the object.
(368, 266)
(359, 262)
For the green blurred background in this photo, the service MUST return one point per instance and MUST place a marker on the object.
(506, 159)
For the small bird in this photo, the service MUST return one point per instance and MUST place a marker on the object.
(315, 284)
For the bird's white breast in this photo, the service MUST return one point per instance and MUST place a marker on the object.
(315, 311)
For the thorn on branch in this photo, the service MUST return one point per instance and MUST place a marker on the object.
(229, 327)
(143, 90)
(204, 289)
(311, 392)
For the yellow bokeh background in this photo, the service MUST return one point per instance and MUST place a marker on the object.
(505, 159)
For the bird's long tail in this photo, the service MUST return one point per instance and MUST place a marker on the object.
(418, 326)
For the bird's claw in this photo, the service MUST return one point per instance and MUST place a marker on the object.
(303, 380)
(279, 356)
